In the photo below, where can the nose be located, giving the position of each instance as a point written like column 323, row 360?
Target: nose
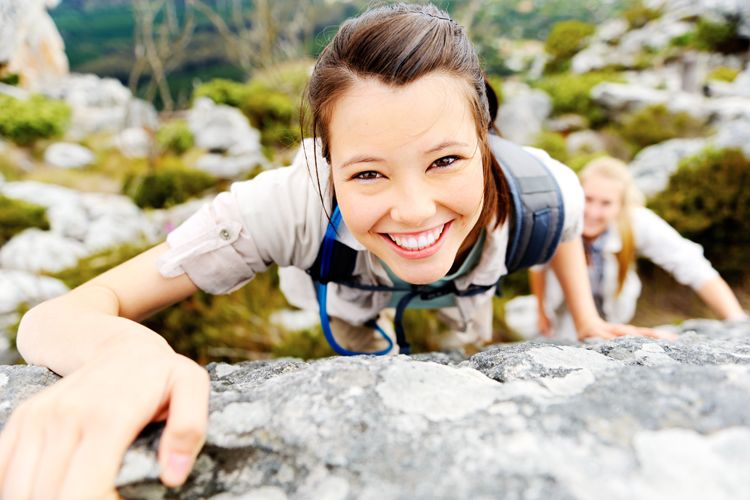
column 414, row 205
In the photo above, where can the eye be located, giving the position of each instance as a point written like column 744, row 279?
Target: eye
column 445, row 161
column 368, row 175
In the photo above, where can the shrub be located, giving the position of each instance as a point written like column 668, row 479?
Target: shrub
column 723, row 73
column 638, row 15
column 719, row 36
column 222, row 92
column 566, row 38
column 497, row 85
column 571, row 93
column 554, row 144
column 17, row 215
column 169, row 184
column 655, row 124
column 175, row 137
column 10, row 78
column 269, row 109
column 26, row 121
column 707, row 201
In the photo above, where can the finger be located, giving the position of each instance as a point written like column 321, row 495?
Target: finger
column 8, row 439
column 185, row 432
column 20, row 473
column 60, row 440
column 650, row 332
column 94, row 466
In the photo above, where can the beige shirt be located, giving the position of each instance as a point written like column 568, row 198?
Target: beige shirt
column 655, row 240
column 279, row 217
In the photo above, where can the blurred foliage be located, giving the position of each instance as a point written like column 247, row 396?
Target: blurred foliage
column 723, row 73
column 236, row 326
column 175, row 137
column 92, row 266
column 553, row 143
column 26, row 121
column 9, row 169
column 496, row 82
column 169, row 184
column 566, row 38
column 654, row 124
column 577, row 162
column 719, row 36
column 10, row 78
column 707, row 201
column 17, row 215
column 638, row 14
column 270, row 101
column 571, row 93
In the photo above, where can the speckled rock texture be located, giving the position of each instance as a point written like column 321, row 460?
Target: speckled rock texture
column 631, row 418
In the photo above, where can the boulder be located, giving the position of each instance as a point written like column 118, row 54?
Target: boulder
column 652, row 166
column 68, row 155
column 30, row 44
column 621, row 419
column 134, row 142
column 21, row 287
column 523, row 112
column 37, row 251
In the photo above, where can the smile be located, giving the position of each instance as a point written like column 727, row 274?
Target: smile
column 414, row 242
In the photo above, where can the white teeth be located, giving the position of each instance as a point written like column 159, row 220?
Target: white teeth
column 417, row 243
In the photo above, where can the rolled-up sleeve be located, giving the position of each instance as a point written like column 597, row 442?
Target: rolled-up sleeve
column 277, row 217
column 656, row 240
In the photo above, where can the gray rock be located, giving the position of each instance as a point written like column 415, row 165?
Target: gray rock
column 584, row 141
column 68, row 155
column 20, row 287
column 652, row 166
column 622, row 419
column 39, row 251
column 134, row 142
column 523, row 112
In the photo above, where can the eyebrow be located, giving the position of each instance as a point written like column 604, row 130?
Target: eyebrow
column 370, row 159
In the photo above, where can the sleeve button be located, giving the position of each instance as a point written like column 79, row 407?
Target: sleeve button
column 224, row 234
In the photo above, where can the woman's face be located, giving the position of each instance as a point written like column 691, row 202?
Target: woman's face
column 407, row 172
column 603, row 204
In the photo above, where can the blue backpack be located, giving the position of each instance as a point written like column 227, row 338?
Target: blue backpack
column 536, row 221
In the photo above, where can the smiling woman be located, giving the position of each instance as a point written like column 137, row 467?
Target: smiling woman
column 398, row 192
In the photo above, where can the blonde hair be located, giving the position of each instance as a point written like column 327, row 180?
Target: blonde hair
column 616, row 170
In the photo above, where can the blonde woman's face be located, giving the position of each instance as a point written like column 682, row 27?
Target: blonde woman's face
column 603, row 204
column 408, row 173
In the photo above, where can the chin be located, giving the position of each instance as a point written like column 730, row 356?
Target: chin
column 419, row 274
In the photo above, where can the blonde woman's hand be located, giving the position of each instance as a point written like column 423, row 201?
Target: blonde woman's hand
column 544, row 325
column 605, row 330
column 68, row 441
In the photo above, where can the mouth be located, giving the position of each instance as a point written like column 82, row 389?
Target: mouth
column 419, row 244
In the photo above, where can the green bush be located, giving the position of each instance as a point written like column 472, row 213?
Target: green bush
column 175, row 137
column 554, row 144
column 270, row 110
column 707, row 201
column 222, row 92
column 566, row 38
column 17, row 215
column 638, row 15
column 10, row 78
column 169, row 184
column 723, row 73
column 571, row 93
column 718, row 37
column 26, row 121
column 655, row 124
column 497, row 86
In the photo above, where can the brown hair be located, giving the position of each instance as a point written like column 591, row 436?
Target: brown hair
column 398, row 44
column 630, row 197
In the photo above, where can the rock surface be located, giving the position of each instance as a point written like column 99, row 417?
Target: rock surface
column 623, row 419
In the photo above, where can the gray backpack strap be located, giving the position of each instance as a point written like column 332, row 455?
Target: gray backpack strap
column 537, row 214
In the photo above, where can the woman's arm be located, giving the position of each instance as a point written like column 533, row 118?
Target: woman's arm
column 537, row 284
column 68, row 440
column 569, row 265
column 719, row 297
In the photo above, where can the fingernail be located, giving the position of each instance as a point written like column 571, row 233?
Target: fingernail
column 178, row 467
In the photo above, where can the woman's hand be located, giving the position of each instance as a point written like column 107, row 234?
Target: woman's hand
column 544, row 325
column 68, row 441
column 602, row 329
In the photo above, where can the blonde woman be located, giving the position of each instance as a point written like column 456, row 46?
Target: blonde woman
column 616, row 229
